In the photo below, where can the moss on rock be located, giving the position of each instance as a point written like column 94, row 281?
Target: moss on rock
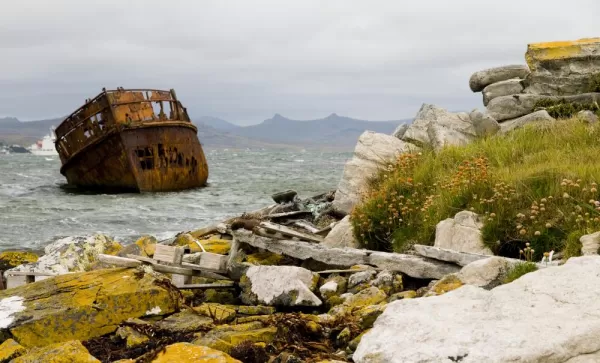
column 10, row 350
column 65, row 352
column 84, row 305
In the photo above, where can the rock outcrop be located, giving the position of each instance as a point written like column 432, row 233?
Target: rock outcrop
column 461, row 233
column 533, row 319
column 540, row 117
column 80, row 306
column 563, row 68
column 280, row 285
column 72, row 254
column 341, row 235
column 502, row 88
column 373, row 152
column 483, row 123
column 456, row 125
column 480, row 80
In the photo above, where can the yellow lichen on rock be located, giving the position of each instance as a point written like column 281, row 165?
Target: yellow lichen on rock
column 219, row 246
column 446, row 284
column 147, row 245
column 10, row 259
column 264, row 258
column 84, row 305
column 132, row 337
column 539, row 52
column 67, row 352
column 219, row 313
column 190, row 353
column 10, row 350
column 225, row 337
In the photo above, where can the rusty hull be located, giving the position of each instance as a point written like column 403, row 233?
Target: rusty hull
column 124, row 140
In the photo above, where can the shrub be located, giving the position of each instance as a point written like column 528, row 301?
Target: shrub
column 535, row 185
column 519, row 270
column 562, row 109
column 594, row 83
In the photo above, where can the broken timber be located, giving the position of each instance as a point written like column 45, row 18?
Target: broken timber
column 18, row 278
column 413, row 266
column 276, row 228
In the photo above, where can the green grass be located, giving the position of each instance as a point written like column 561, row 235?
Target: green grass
column 534, row 185
column 519, row 270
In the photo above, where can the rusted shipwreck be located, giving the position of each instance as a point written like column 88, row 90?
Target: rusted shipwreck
column 136, row 140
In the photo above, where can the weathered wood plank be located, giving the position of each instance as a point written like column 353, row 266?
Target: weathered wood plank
column 307, row 226
column 119, row 261
column 346, row 271
column 169, row 254
column 290, row 232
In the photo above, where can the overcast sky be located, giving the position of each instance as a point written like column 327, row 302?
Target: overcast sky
column 246, row 60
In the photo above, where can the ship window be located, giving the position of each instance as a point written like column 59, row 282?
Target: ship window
column 167, row 110
column 146, row 158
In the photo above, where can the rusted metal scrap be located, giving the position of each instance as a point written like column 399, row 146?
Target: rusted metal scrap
column 139, row 140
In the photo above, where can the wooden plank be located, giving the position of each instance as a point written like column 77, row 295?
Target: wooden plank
column 187, row 269
column 119, row 261
column 180, row 280
column 208, row 286
column 290, row 232
column 169, row 254
column 18, row 280
column 307, row 226
column 213, row 262
column 288, row 214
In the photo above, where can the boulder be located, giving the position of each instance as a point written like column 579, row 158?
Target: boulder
column 334, row 285
column 483, row 123
column 444, row 285
column 550, row 315
column 185, row 321
column 513, row 106
column 562, row 68
column 400, row 130
column 413, row 266
column 587, row 116
column 279, row 286
column 540, row 117
column 373, row 152
column 11, row 259
column 225, row 337
column 10, row 350
column 80, row 306
column 590, row 243
column 72, row 254
column 285, row 196
column 191, row 353
column 418, row 131
column 461, row 233
column 144, row 247
column 487, row 273
column 442, row 136
column 132, row 337
column 480, row 80
column 360, row 278
column 66, row 352
column 502, row 88
column 342, row 235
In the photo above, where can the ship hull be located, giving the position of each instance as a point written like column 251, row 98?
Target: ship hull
column 149, row 158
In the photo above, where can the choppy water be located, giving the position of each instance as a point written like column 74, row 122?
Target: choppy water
column 35, row 210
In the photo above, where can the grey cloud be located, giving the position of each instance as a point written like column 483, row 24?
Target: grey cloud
column 246, row 60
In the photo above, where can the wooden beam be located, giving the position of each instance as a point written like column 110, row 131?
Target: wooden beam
column 119, row 261
column 290, row 232
column 307, row 226
column 208, row 286
column 169, row 254
column 187, row 269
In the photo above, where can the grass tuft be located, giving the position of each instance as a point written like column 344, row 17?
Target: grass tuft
column 519, row 270
column 535, row 185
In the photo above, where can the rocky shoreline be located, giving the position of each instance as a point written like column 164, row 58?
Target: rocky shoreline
column 292, row 282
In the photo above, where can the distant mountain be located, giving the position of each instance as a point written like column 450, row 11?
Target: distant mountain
column 13, row 131
column 216, row 123
column 332, row 131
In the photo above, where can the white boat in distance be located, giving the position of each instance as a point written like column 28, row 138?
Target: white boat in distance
column 45, row 146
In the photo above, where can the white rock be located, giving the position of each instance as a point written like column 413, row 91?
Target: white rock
column 400, row 130
column 384, row 278
column 442, row 136
column 8, row 307
column 328, row 288
column 461, row 233
column 587, row 116
column 502, row 88
column 551, row 316
column 341, row 235
column 590, row 244
column 487, row 273
column 360, row 277
column 540, row 117
column 373, row 152
column 513, row 106
column 443, row 254
column 71, row 254
column 483, row 123
column 428, row 114
column 480, row 80
column 281, row 285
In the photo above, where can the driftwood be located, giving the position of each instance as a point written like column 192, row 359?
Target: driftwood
column 290, row 232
